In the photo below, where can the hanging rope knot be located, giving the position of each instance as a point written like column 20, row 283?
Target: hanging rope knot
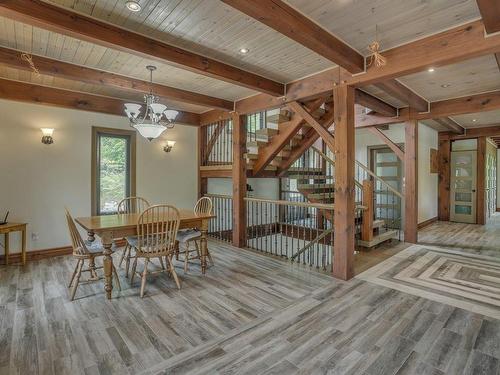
column 29, row 59
column 376, row 58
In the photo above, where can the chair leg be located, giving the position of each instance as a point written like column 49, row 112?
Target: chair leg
column 77, row 280
column 93, row 272
column 74, row 273
column 127, row 261
column 174, row 274
column 161, row 263
column 123, row 255
column 176, row 250
column 144, row 275
column 117, row 279
column 186, row 257
column 134, row 266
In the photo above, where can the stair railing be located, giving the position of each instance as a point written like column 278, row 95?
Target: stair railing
column 216, row 144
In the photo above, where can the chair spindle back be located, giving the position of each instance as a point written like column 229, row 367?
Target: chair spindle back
column 203, row 206
column 79, row 247
column 132, row 205
column 157, row 228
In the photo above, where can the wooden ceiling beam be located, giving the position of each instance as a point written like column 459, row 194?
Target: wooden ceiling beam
column 66, row 22
column 490, row 13
column 490, row 130
column 399, row 91
column 36, row 94
column 451, row 125
column 375, row 104
column 286, row 20
column 56, row 68
column 448, row 47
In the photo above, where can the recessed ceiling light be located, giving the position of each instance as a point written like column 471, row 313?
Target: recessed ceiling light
column 474, row 119
column 133, row 6
column 445, row 86
column 430, row 70
column 244, row 50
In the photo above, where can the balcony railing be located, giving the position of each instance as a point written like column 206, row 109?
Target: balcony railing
column 217, row 140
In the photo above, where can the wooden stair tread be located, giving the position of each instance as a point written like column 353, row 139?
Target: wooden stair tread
column 378, row 239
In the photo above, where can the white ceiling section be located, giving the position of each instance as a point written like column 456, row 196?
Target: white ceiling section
column 482, row 119
column 211, row 28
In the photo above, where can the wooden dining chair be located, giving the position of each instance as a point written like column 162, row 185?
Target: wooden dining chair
column 130, row 205
column 186, row 237
column 157, row 228
column 85, row 251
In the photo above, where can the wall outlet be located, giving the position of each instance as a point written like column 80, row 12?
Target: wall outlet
column 34, row 236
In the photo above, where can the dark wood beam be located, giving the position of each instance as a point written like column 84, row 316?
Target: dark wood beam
column 451, row 125
column 444, row 155
column 66, row 22
column 344, row 246
column 411, row 181
column 36, row 94
column 491, row 130
column 210, row 117
column 457, row 44
column 399, row 91
column 375, row 104
column 490, row 12
column 394, row 147
column 281, row 17
column 55, row 68
column 481, row 181
column 239, row 177
column 307, row 116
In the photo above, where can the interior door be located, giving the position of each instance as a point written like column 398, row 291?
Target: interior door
column 463, row 186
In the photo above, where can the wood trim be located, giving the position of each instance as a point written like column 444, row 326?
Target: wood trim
column 36, row 94
column 481, row 181
column 426, row 223
column 444, row 174
column 210, row 117
column 93, row 174
column 411, row 181
column 498, row 209
column 281, row 17
column 394, row 147
column 488, row 131
column 66, row 22
column 344, row 214
column 399, row 91
column 10, row 57
column 239, row 180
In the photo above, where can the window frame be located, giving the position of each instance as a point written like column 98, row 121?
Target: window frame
column 130, row 135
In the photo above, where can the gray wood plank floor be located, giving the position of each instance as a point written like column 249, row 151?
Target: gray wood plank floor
column 249, row 315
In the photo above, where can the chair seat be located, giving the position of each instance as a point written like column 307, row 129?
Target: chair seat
column 187, row 235
column 96, row 247
column 131, row 240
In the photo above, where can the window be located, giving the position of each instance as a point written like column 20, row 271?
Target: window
column 113, row 168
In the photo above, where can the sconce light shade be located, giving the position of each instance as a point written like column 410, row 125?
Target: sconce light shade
column 47, row 136
column 168, row 147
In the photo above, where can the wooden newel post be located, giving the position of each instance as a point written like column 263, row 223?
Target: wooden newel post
column 411, row 181
column 344, row 226
column 239, row 180
column 368, row 213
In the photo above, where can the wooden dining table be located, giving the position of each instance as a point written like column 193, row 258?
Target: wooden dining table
column 111, row 227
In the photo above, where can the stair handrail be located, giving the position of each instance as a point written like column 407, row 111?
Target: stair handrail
column 362, row 166
column 332, row 162
column 322, row 206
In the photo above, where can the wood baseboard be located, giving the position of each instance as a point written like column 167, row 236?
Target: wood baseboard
column 498, row 209
column 426, row 223
column 45, row 253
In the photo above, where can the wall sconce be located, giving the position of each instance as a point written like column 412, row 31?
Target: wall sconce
column 47, row 136
column 168, row 147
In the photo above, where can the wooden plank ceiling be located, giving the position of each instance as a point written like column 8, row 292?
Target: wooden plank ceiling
column 218, row 31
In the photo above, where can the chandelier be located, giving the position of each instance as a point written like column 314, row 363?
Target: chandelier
column 157, row 118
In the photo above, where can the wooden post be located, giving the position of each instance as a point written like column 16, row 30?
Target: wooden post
column 411, row 181
column 239, row 180
column 202, row 181
column 320, row 215
column 481, row 181
column 444, row 155
column 343, row 252
column 367, row 224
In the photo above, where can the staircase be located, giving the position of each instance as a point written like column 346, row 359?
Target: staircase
column 313, row 175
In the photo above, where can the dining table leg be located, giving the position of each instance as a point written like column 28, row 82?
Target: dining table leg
column 203, row 245
column 107, row 242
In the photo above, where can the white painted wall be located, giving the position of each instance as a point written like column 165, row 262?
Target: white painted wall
column 265, row 188
column 427, row 182
column 37, row 181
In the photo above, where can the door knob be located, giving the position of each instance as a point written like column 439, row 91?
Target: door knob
column 473, row 190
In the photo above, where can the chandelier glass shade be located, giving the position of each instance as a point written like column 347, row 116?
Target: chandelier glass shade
column 156, row 117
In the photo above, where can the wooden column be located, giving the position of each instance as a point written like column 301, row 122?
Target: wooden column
column 444, row 155
column 239, row 180
column 368, row 214
column 411, row 181
column 202, row 181
column 481, row 181
column 343, row 252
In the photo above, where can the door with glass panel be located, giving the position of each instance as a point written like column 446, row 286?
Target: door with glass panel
column 463, row 186
column 385, row 164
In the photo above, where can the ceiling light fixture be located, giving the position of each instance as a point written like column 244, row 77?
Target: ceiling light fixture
column 157, row 118
column 430, row 70
column 445, row 86
column 474, row 119
column 133, row 6
column 244, row 50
